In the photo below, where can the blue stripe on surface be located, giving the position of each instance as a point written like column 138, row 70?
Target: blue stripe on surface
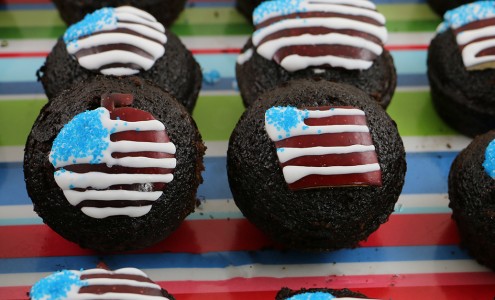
column 427, row 173
column 229, row 259
column 31, row 6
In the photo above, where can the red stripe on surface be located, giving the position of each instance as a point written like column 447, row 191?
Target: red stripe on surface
column 23, row 54
column 230, row 235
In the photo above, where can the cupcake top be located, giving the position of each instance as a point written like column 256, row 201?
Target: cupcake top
column 326, row 33
column 113, row 160
column 116, row 41
column 473, row 25
column 316, row 142
column 126, row 283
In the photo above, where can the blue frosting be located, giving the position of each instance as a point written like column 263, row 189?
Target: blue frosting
column 466, row 14
column 281, row 7
column 312, row 296
column 489, row 163
column 285, row 118
column 91, row 23
column 56, row 286
column 84, row 136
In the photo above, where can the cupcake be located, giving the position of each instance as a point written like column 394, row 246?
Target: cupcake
column 316, row 165
column 165, row 11
column 318, row 294
column 122, row 41
column 126, row 283
column 472, row 198
column 338, row 41
column 113, row 164
column 461, row 68
column 442, row 6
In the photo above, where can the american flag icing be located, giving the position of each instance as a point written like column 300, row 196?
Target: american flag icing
column 116, row 41
column 319, row 33
column 473, row 25
column 126, row 283
column 323, row 147
column 112, row 163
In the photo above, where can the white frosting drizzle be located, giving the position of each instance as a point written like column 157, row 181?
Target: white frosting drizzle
column 143, row 24
column 278, row 119
column 68, row 181
column 245, row 56
column 286, row 154
column 294, row 173
column 470, row 51
column 298, row 61
column 99, row 180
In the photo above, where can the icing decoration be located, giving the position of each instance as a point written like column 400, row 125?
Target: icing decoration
column 126, row 283
column 323, row 147
column 489, row 163
column 116, row 41
column 113, row 161
column 473, row 25
column 298, row 34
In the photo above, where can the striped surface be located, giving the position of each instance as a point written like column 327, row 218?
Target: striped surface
column 413, row 256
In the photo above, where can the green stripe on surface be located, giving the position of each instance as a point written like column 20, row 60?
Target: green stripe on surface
column 200, row 21
column 217, row 116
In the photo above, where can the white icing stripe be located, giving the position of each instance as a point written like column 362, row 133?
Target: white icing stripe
column 335, row 112
column 470, row 51
column 358, row 3
column 295, row 173
column 147, row 45
column 132, row 146
column 465, row 37
column 121, row 271
column 313, row 130
column 333, row 23
column 68, row 180
column 144, row 162
column 120, row 296
column 145, row 30
column 76, row 197
column 104, row 212
column 296, row 62
column 286, row 154
column 118, row 281
column 120, row 125
column 245, row 56
column 333, row 8
column 128, row 16
column 96, row 61
column 268, row 49
column 135, row 11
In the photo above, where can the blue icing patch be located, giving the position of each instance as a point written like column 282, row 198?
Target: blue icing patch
column 83, row 137
column 489, row 163
column 285, row 118
column 281, row 7
column 312, row 296
column 56, row 286
column 91, row 23
column 466, row 14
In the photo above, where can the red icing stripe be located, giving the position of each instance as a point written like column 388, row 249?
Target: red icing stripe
column 349, row 159
column 230, row 235
column 336, row 120
column 313, row 181
column 317, row 50
column 327, row 139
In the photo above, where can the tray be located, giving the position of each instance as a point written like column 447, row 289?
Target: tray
column 216, row 253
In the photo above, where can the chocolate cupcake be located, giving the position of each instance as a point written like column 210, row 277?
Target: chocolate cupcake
column 442, row 6
column 126, row 283
column 318, row 294
column 461, row 68
column 165, row 11
column 340, row 42
column 316, row 165
column 113, row 164
column 472, row 197
column 122, row 41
